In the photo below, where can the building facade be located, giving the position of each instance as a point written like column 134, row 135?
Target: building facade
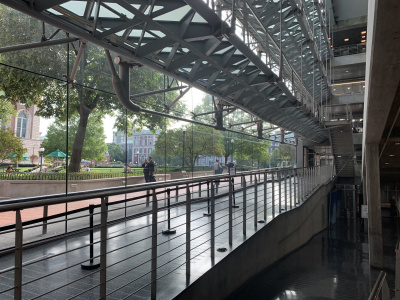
column 26, row 126
column 138, row 145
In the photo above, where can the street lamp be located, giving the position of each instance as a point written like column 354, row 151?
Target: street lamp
column 41, row 150
column 183, row 156
column 137, row 158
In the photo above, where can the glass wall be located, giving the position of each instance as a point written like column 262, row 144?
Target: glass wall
column 77, row 136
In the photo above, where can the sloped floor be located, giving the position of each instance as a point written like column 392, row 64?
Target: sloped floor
column 333, row 265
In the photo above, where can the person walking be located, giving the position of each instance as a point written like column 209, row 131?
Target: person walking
column 217, row 170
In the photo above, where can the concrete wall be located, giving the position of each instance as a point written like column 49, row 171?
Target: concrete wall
column 30, row 188
column 278, row 238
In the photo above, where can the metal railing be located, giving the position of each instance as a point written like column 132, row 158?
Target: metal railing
column 381, row 285
column 133, row 241
column 350, row 50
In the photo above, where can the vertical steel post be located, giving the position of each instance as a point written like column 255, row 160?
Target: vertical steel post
column 18, row 256
column 154, row 223
column 176, row 193
column 273, row 194
column 212, row 231
column 45, row 214
column 280, row 191
column 265, row 196
column 188, row 208
column 103, row 248
column 295, row 182
column 230, row 214
column 200, row 189
column 244, row 206
column 285, row 183
column 255, row 200
column 290, row 189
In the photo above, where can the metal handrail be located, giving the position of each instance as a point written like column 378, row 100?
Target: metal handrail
column 380, row 285
column 29, row 202
column 294, row 186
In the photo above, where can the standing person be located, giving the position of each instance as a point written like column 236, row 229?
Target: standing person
column 145, row 170
column 217, row 170
column 150, row 165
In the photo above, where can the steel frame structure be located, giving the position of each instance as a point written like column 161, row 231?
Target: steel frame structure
column 188, row 40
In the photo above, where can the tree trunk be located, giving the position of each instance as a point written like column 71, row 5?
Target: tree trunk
column 76, row 156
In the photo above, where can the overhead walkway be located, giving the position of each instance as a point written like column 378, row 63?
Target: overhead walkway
column 268, row 60
column 134, row 242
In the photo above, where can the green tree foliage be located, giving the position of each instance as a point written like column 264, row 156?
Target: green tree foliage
column 10, row 144
column 6, row 111
column 91, row 92
column 199, row 140
column 115, row 152
column 94, row 146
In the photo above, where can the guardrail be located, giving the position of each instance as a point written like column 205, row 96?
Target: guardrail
column 381, row 285
column 350, row 50
column 129, row 241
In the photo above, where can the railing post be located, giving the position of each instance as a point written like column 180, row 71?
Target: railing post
column 230, row 214
column 147, row 198
column 294, row 187
column 280, row 191
column 200, row 189
column 154, row 223
column 188, row 208
column 244, row 206
column 169, row 230
column 45, row 214
column 103, row 248
column 207, row 214
column 176, row 193
column 18, row 256
column 91, row 264
column 285, row 182
column 298, row 186
column 265, row 196
column 273, row 194
column 212, row 231
column 290, row 189
column 397, row 271
column 255, row 200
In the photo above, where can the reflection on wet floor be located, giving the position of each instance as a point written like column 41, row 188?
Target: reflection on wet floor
column 333, row 265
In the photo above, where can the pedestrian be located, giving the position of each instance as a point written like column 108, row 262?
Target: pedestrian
column 87, row 168
column 150, row 165
column 9, row 169
column 146, row 170
column 217, row 170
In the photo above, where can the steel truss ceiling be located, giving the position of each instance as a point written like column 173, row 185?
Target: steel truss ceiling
column 188, row 41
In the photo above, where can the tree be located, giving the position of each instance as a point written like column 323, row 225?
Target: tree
column 202, row 141
column 115, row 152
column 91, row 92
column 6, row 111
column 10, row 144
column 94, row 146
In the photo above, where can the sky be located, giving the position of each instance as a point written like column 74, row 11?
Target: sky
column 193, row 96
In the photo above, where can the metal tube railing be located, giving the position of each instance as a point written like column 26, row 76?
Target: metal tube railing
column 380, row 286
column 147, row 239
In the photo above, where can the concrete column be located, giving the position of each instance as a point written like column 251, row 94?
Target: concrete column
column 373, row 197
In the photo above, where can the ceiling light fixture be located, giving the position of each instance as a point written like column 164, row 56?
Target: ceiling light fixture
column 362, row 41
column 346, row 40
column 363, row 32
column 391, row 155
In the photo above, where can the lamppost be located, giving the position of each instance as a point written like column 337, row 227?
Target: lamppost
column 41, row 150
column 137, row 158
column 183, row 156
